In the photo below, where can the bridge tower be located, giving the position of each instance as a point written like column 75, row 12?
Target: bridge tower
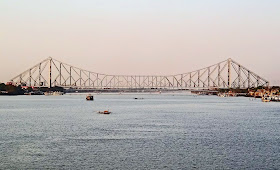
column 50, row 72
column 229, row 73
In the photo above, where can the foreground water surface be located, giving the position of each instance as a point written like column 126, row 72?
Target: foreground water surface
column 161, row 131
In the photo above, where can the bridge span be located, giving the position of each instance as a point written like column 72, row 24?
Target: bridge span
column 226, row 74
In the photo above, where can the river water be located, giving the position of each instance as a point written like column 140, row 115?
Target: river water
column 160, row 131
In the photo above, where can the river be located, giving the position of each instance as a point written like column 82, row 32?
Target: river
column 160, row 131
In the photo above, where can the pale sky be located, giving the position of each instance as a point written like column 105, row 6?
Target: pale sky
column 161, row 37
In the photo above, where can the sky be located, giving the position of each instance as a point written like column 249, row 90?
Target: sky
column 144, row 37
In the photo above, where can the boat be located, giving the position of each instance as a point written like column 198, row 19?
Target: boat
column 222, row 95
column 227, row 94
column 104, row 112
column 89, row 97
column 47, row 93
column 266, row 98
column 275, row 98
column 56, row 93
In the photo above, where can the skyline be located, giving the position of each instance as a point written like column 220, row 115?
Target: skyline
column 143, row 38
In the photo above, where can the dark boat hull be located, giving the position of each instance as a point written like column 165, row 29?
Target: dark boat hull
column 89, row 98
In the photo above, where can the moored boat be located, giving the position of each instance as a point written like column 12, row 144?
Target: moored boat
column 266, row 98
column 275, row 98
column 48, row 93
column 51, row 93
column 57, row 93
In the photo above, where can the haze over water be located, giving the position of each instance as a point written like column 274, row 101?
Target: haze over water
column 167, row 131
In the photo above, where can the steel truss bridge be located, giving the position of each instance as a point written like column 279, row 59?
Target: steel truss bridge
column 225, row 74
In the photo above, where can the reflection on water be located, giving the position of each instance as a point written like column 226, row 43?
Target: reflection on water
column 167, row 131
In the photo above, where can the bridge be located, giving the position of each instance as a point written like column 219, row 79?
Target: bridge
column 225, row 74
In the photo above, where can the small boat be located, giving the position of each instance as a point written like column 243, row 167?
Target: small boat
column 104, row 112
column 89, row 97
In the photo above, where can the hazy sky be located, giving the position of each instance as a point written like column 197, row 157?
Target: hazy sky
column 140, row 37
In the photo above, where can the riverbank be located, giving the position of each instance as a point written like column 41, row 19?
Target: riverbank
column 267, row 94
column 11, row 90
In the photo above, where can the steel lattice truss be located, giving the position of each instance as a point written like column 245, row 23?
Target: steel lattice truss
column 226, row 74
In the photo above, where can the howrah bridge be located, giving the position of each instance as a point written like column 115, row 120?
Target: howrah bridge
column 225, row 74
